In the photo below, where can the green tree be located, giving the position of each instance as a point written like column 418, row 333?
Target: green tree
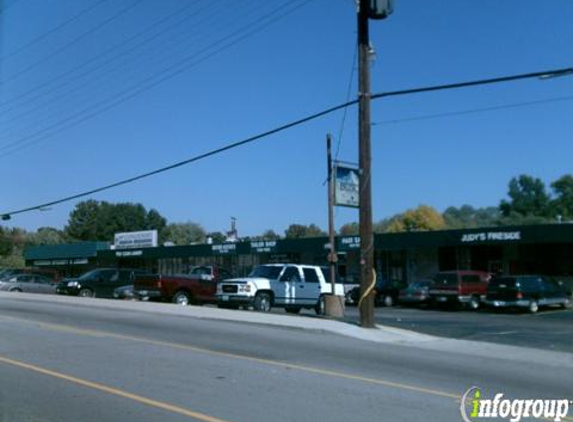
column 423, row 218
column 267, row 235
column 528, row 201
column 95, row 220
column 467, row 217
column 46, row 236
column 298, row 231
column 562, row 204
column 183, row 233
column 349, row 229
column 217, row 237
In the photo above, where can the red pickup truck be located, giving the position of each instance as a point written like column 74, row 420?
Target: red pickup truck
column 197, row 286
column 460, row 287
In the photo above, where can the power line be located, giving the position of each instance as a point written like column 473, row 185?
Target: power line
column 53, row 30
column 144, row 31
column 121, row 54
column 152, row 81
column 72, row 42
column 547, row 73
column 473, row 111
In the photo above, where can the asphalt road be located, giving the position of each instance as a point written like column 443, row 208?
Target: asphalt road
column 92, row 360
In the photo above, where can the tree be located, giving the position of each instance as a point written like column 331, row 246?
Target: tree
column 267, row 235
column 298, row 231
column 349, row 229
column 527, row 198
column 423, row 218
column 95, row 220
column 562, row 204
column 217, row 237
column 46, row 236
column 183, row 233
column 467, row 217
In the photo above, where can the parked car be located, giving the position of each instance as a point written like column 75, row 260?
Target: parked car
column 51, row 274
column 198, row 286
column 416, row 293
column 29, row 283
column 282, row 285
column 387, row 291
column 459, row 288
column 527, row 292
column 124, row 292
column 350, row 282
column 100, row 282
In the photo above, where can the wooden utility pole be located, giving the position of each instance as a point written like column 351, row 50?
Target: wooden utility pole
column 364, row 162
column 333, row 305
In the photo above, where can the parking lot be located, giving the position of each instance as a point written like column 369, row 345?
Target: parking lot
column 551, row 329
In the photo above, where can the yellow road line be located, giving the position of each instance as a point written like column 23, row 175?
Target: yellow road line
column 113, row 391
column 235, row 356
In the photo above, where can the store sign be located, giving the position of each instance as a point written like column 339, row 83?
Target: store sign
column 143, row 239
column 122, row 254
column 266, row 246
column 224, row 249
column 348, row 243
column 52, row 262
column 491, row 236
column 346, row 186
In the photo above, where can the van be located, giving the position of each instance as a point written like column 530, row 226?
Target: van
column 467, row 288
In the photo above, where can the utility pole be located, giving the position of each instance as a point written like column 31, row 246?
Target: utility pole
column 364, row 162
column 375, row 9
column 333, row 307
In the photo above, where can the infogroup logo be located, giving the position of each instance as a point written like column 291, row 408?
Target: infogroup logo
column 474, row 406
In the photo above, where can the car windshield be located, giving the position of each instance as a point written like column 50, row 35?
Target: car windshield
column 446, row 279
column 503, row 282
column 266, row 271
column 90, row 275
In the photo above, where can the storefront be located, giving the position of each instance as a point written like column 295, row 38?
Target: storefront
column 540, row 249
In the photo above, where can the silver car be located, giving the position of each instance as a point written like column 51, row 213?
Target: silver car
column 31, row 283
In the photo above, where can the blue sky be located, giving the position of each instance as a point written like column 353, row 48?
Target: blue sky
column 66, row 60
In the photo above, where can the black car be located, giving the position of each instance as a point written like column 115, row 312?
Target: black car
column 100, row 282
column 527, row 292
column 386, row 292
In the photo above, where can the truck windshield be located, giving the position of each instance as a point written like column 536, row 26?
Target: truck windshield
column 266, row 271
column 446, row 280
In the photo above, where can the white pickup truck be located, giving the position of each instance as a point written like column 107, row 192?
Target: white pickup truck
column 282, row 285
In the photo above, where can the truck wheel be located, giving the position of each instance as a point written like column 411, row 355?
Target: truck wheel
column 86, row 293
column 292, row 309
column 474, row 303
column 17, row 290
column 388, row 301
column 181, row 298
column 533, row 307
column 263, row 302
column 320, row 307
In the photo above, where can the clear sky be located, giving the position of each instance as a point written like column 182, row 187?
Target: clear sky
column 96, row 91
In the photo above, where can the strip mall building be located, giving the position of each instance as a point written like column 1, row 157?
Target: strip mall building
column 539, row 249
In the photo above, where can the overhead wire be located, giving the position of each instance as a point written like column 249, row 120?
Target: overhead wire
column 69, row 44
column 473, row 111
column 144, row 31
column 434, row 88
column 154, row 80
column 124, row 60
column 52, row 30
